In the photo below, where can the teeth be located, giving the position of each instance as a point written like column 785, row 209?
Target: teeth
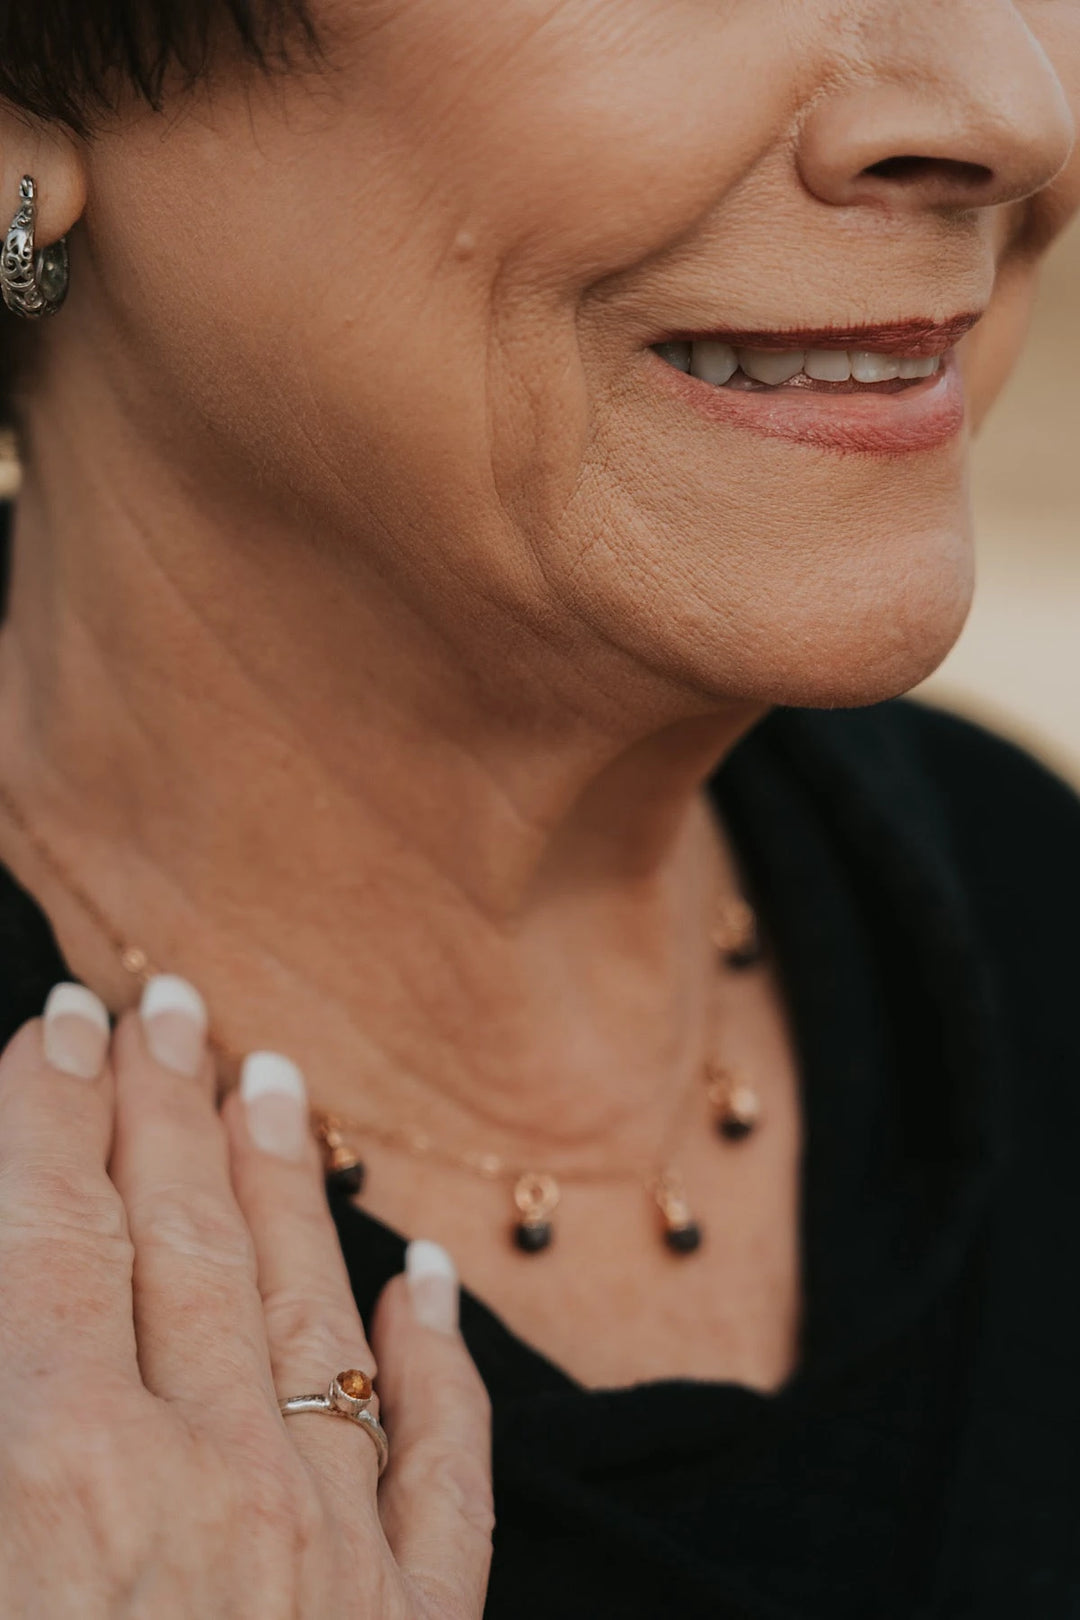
column 717, row 363
column 714, row 362
column 767, row 366
column 828, row 365
column 873, row 368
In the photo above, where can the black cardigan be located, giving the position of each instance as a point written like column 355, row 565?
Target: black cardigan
column 920, row 883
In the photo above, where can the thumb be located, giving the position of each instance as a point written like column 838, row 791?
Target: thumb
column 436, row 1499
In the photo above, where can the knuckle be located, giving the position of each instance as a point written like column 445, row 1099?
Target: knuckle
column 459, row 1385
column 285, row 1504
column 267, row 1497
column 58, row 1197
column 308, row 1329
column 268, row 1489
column 312, row 1225
column 122, row 1480
column 461, row 1477
column 162, row 1123
column 196, row 1222
column 465, row 1384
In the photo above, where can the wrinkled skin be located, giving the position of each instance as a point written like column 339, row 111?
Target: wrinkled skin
column 375, row 621
column 149, row 1313
column 443, row 259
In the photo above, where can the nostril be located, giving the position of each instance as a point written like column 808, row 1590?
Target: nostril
column 911, row 170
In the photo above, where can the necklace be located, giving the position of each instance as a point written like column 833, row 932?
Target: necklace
column 535, row 1193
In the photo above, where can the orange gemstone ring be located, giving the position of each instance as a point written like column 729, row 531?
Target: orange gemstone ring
column 349, row 1396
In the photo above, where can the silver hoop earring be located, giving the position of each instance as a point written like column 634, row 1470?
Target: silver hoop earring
column 34, row 282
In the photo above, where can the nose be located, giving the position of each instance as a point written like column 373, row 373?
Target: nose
column 956, row 107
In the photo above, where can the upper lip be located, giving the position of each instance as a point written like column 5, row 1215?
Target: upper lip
column 911, row 338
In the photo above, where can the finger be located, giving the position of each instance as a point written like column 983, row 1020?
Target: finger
column 312, row 1323
column 436, row 1501
column 65, row 1253
column 198, row 1317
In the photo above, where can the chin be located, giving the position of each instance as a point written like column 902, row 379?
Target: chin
column 841, row 621
column 751, row 569
column 857, row 647
column 849, row 678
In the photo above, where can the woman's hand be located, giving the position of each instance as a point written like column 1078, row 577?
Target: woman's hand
column 165, row 1275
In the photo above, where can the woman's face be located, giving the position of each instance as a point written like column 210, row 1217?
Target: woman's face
column 429, row 282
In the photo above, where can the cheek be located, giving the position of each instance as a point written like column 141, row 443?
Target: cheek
column 989, row 354
column 574, row 137
column 1026, row 230
column 446, row 201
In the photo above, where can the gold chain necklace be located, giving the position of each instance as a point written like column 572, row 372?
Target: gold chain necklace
column 535, row 1193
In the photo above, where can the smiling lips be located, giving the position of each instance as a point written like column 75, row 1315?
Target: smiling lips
column 859, row 357
column 882, row 390
column 721, row 364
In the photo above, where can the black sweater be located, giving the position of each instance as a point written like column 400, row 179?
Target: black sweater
column 920, row 884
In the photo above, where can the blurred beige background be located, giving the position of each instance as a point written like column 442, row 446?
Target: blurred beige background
column 1017, row 665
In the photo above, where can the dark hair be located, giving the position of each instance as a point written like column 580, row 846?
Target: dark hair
column 72, row 61
column 67, row 61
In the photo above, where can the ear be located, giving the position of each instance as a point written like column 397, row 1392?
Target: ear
column 55, row 159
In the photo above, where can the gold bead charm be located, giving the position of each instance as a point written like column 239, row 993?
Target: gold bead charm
column 735, row 933
column 682, row 1233
column 536, row 1197
column 736, row 1103
column 342, row 1167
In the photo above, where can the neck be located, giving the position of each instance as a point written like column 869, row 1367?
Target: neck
column 438, row 866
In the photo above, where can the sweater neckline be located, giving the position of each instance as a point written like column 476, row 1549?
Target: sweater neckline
column 843, row 843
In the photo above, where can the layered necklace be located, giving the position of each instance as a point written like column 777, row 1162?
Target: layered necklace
column 535, row 1191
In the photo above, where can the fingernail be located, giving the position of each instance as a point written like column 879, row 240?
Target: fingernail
column 76, row 1033
column 433, row 1285
column 174, row 1020
column 275, row 1099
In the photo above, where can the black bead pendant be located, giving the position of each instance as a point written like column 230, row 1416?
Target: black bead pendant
column 737, row 936
column 747, row 956
column 684, row 1239
column 536, row 1197
column 533, row 1236
column 734, row 1129
column 736, row 1103
column 681, row 1232
column 346, row 1180
column 342, row 1166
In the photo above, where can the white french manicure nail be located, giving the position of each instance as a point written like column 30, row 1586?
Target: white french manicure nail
column 433, row 1285
column 275, row 1099
column 76, row 1031
column 174, row 1021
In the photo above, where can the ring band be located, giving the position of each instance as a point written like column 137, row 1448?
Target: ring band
column 349, row 1396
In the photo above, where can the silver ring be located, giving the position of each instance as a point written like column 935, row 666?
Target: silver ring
column 349, row 1396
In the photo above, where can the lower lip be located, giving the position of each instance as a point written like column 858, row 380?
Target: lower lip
column 923, row 417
